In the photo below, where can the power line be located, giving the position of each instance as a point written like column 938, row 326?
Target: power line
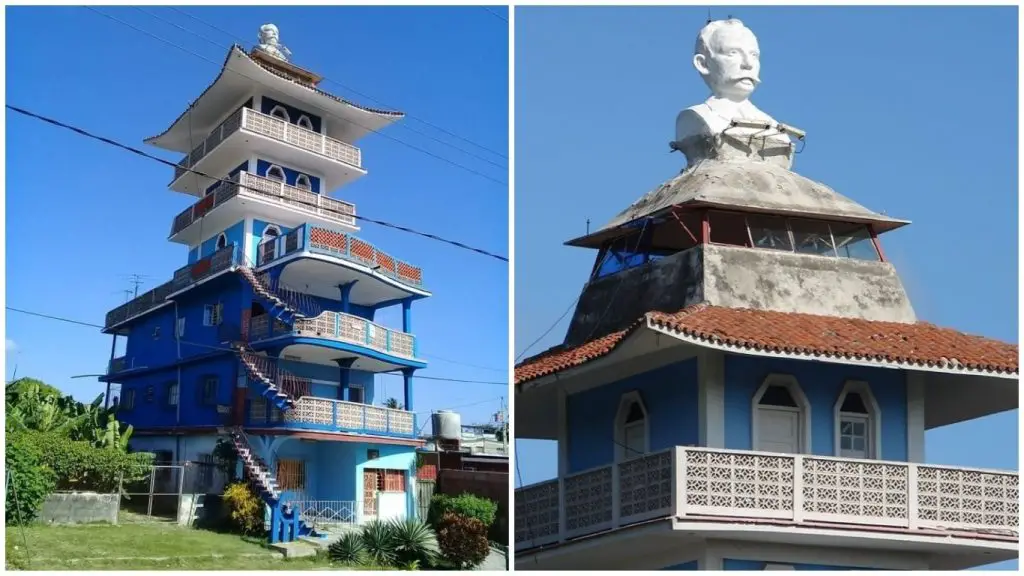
column 550, row 328
column 138, row 152
column 350, row 89
column 495, row 14
column 224, row 349
column 367, row 128
column 432, row 357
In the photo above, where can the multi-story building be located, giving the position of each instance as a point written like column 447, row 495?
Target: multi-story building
column 745, row 385
column 266, row 335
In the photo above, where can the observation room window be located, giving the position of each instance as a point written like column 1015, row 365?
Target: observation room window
column 304, row 122
column 302, row 181
column 275, row 173
column 798, row 235
column 280, row 112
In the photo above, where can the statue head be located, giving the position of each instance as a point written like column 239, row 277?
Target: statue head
column 728, row 58
column 268, row 34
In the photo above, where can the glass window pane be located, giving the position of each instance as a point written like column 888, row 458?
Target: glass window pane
column 811, row 237
column 858, row 429
column 854, row 404
column 769, row 232
column 845, row 427
column 858, row 444
column 635, row 414
column 844, row 443
column 778, row 396
column 853, row 241
column 728, row 228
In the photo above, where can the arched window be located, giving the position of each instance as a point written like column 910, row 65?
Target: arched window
column 302, row 181
column 280, row 112
column 275, row 173
column 268, row 246
column 305, row 122
column 858, row 421
column 781, row 417
column 222, row 241
column 631, row 428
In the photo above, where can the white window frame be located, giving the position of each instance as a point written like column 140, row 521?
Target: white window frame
column 265, row 238
column 308, row 185
column 222, row 242
column 284, row 175
column 181, row 328
column 803, row 409
column 873, row 417
column 213, row 314
column 278, row 108
column 619, row 433
column 308, row 125
column 173, row 394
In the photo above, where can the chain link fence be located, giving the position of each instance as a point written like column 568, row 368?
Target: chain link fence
column 174, row 493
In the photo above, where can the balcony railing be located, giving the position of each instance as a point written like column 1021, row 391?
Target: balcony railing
column 320, row 240
column 744, row 485
column 250, row 185
column 255, row 122
column 184, row 277
column 341, row 327
column 325, row 414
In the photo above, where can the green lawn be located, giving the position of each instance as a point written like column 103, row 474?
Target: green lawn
column 142, row 547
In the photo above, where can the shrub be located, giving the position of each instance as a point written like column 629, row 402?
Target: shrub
column 463, row 540
column 349, row 550
column 246, row 509
column 379, row 542
column 466, row 504
column 413, row 542
column 28, row 483
column 80, row 466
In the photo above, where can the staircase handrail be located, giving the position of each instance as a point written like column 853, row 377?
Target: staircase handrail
column 301, row 303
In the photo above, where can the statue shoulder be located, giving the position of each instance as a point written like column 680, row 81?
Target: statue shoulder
column 693, row 121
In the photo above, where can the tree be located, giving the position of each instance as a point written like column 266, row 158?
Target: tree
column 34, row 405
column 394, row 404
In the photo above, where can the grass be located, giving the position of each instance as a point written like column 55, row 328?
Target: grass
column 143, row 547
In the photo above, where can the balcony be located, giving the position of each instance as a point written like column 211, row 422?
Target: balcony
column 265, row 191
column 327, row 415
column 733, row 485
column 139, row 305
column 343, row 246
column 268, row 134
column 339, row 327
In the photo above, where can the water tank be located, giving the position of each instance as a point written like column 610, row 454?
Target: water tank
column 447, row 425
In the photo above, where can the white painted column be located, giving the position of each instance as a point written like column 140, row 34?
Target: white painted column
column 563, row 434
column 915, row 416
column 711, row 398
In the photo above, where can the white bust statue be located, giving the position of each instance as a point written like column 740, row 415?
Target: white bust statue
column 729, row 60
column 271, row 44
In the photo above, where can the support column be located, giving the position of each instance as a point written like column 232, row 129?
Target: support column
column 346, row 291
column 407, row 376
column 344, row 377
column 711, row 398
column 113, row 348
column 407, row 315
column 915, row 416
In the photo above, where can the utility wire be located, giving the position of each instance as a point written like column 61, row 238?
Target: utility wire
column 224, row 349
column 138, row 152
column 432, row 357
column 495, row 14
column 349, row 88
column 550, row 328
column 218, row 45
column 367, row 128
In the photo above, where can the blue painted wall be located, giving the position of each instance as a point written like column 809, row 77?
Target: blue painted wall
column 684, row 566
column 293, row 113
column 192, row 409
column 290, row 174
column 670, row 395
column 731, row 564
column 235, row 235
column 822, row 384
column 330, row 374
column 239, row 168
column 354, row 309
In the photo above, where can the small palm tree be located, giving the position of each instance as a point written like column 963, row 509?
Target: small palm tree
column 414, row 542
column 348, row 550
column 393, row 403
column 379, row 543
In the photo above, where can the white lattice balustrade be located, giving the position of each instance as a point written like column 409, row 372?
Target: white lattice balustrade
column 813, row 490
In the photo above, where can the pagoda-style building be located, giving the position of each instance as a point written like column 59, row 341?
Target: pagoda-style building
column 745, row 385
column 266, row 336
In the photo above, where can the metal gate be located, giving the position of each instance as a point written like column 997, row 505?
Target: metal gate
column 424, row 493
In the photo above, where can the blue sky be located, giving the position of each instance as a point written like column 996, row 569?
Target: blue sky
column 82, row 215
column 909, row 111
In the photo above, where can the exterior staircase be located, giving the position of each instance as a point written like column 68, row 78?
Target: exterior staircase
column 263, row 372
column 284, row 304
column 285, row 522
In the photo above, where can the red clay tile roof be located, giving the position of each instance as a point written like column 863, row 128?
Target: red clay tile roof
column 920, row 344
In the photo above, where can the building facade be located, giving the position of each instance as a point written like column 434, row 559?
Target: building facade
column 266, row 336
column 745, row 385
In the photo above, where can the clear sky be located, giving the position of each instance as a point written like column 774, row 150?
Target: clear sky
column 82, row 216
column 909, row 111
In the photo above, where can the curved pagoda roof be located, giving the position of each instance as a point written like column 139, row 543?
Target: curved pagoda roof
column 747, row 186
column 235, row 82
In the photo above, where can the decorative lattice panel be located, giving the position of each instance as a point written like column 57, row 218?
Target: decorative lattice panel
column 376, row 419
column 352, row 329
column 305, row 139
column 967, row 498
column 350, row 415
column 645, row 486
column 410, row 274
column 311, row 411
column 855, row 491
column 329, row 240
column 338, row 150
column 266, row 125
column 401, row 422
column 337, row 210
column 362, row 250
column 402, row 344
column 386, row 262
column 378, row 336
column 588, row 501
column 739, row 484
column 232, row 124
column 536, row 510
